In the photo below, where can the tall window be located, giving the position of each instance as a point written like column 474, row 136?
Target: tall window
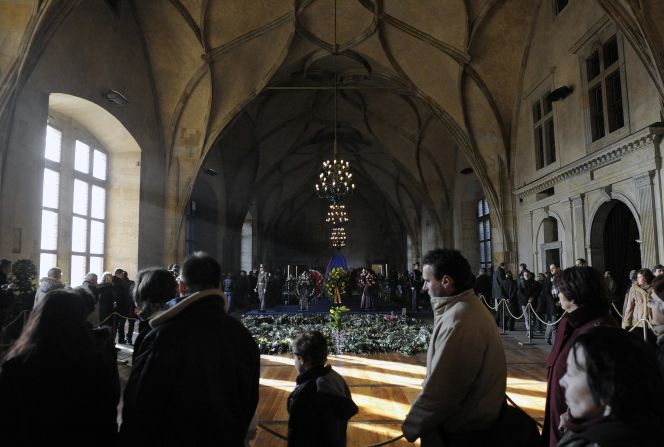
column 50, row 201
column 605, row 89
column 545, row 142
column 87, row 214
column 89, row 211
column 485, row 233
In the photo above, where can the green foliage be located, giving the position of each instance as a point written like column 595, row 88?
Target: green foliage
column 24, row 274
column 362, row 334
column 336, row 312
column 337, row 279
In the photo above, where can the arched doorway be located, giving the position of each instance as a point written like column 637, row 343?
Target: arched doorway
column 551, row 247
column 246, row 244
column 614, row 242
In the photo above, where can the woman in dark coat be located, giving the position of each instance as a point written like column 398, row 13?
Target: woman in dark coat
column 106, row 301
column 154, row 288
column 606, row 405
column 582, row 294
column 57, row 387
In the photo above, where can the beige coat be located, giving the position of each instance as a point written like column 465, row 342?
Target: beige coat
column 636, row 307
column 464, row 388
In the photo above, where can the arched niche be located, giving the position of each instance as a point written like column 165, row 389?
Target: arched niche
column 615, row 241
column 549, row 242
column 246, row 243
column 124, row 177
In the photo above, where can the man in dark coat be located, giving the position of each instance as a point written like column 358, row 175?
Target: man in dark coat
column 483, row 286
column 123, row 303
column 511, row 307
column 240, row 291
column 497, row 290
column 195, row 376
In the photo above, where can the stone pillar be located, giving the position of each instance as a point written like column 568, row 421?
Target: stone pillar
column 646, row 208
column 578, row 226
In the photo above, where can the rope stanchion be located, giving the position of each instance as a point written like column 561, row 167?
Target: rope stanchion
column 272, row 432
column 20, row 315
column 616, row 309
column 114, row 314
column 635, row 326
column 389, row 441
column 512, row 315
column 495, row 309
column 544, row 322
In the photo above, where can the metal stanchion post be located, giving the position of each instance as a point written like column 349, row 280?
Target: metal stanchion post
column 502, row 317
column 530, row 324
column 645, row 332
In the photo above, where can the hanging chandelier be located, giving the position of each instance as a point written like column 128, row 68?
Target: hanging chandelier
column 336, row 214
column 335, row 180
column 338, row 237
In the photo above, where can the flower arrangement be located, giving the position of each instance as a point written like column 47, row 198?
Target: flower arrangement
column 337, row 281
column 367, row 278
column 304, row 282
column 362, row 334
column 336, row 312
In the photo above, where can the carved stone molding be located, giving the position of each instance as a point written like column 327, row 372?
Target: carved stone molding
column 596, row 160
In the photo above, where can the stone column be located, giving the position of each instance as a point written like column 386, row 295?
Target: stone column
column 578, row 226
column 646, row 208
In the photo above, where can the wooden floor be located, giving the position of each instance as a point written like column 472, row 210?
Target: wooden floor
column 384, row 387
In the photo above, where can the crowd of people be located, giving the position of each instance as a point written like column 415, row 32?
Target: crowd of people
column 196, row 368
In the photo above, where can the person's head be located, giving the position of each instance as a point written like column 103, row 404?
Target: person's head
column 107, row 278
column 5, row 266
column 243, row 273
column 644, row 277
column 580, row 262
column 613, row 372
column 541, row 277
column 154, row 285
column 658, row 270
column 309, row 350
column 54, row 273
column 607, row 274
column 57, row 324
column 522, row 267
column 526, row 275
column 119, row 273
column 581, row 286
column 262, row 268
column 508, row 275
column 554, row 269
column 632, row 275
column 200, row 271
column 656, row 302
column 446, row 272
column 416, row 266
column 91, row 278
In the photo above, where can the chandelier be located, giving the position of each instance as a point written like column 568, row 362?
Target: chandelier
column 336, row 215
column 338, row 237
column 335, row 180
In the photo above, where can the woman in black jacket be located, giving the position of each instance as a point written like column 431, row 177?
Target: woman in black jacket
column 613, row 391
column 57, row 386
column 106, row 302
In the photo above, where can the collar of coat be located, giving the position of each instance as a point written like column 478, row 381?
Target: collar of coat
column 160, row 318
column 441, row 303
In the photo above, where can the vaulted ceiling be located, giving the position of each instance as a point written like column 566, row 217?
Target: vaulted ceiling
column 429, row 86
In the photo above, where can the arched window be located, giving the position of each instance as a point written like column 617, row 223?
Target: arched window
column 485, row 234
column 246, row 246
column 73, row 197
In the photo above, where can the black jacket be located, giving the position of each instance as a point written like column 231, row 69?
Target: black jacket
column 483, row 287
column 319, row 409
column 51, row 398
column 509, row 290
column 497, row 283
column 195, row 378
column 106, row 300
column 609, row 432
